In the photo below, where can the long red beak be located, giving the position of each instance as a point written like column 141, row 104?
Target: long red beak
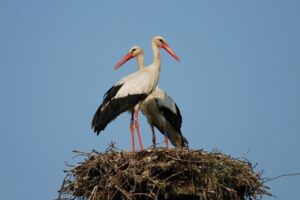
column 170, row 51
column 124, row 60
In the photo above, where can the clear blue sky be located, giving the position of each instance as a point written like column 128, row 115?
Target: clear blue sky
column 237, row 85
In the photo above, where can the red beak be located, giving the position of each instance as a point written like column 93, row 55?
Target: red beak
column 170, row 51
column 124, row 60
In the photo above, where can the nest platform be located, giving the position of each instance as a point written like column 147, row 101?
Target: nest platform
column 161, row 174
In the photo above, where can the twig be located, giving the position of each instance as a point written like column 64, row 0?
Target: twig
column 280, row 176
column 93, row 192
column 123, row 192
column 173, row 175
column 150, row 195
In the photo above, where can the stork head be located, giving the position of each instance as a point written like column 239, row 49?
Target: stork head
column 160, row 41
column 133, row 52
column 136, row 50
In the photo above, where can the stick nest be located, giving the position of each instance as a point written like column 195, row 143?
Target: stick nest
column 161, row 174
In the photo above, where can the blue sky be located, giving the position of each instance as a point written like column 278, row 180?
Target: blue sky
column 237, row 85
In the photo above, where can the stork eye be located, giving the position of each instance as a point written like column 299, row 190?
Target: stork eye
column 133, row 50
column 161, row 40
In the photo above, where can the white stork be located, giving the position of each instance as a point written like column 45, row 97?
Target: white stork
column 160, row 109
column 127, row 93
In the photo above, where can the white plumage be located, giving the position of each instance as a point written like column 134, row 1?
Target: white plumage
column 140, row 82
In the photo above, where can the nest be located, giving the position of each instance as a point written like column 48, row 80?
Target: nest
column 161, row 173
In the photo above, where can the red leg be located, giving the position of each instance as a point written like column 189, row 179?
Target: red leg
column 136, row 123
column 153, row 136
column 166, row 140
column 132, row 133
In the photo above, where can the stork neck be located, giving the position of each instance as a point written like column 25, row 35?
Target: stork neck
column 140, row 61
column 156, row 55
column 155, row 66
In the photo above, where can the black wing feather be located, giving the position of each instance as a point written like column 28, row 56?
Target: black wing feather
column 111, row 92
column 113, row 107
column 175, row 119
